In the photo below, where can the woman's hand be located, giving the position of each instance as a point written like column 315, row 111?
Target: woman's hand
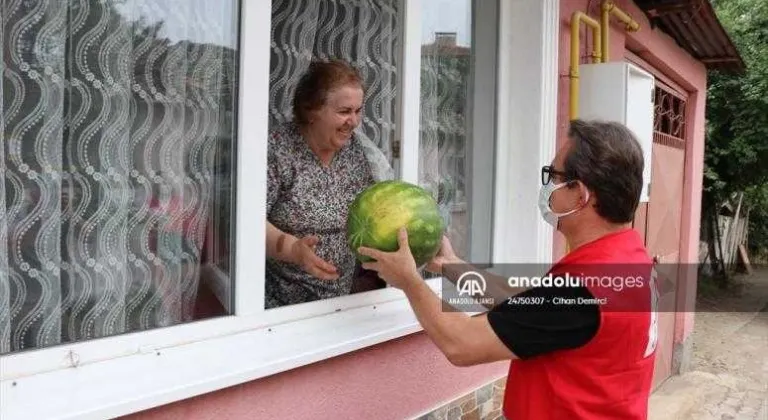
column 445, row 256
column 303, row 254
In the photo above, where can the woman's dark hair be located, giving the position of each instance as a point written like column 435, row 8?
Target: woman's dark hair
column 608, row 159
column 313, row 87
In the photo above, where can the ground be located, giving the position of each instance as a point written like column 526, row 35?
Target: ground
column 728, row 374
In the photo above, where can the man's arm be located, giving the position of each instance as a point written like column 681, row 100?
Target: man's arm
column 464, row 340
column 496, row 285
column 507, row 332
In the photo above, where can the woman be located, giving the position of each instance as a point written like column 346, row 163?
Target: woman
column 317, row 165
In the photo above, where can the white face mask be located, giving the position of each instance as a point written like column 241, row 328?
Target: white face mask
column 545, row 193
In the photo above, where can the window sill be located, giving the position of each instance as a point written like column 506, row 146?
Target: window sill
column 149, row 379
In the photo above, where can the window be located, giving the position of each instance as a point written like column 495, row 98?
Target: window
column 458, row 61
column 369, row 36
column 244, row 341
column 119, row 120
column 669, row 112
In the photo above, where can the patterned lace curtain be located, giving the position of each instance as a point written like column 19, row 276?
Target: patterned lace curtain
column 110, row 138
column 362, row 32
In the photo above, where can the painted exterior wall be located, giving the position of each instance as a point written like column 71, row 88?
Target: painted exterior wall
column 399, row 379
column 666, row 60
column 409, row 377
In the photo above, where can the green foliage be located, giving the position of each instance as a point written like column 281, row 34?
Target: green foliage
column 736, row 156
column 757, row 196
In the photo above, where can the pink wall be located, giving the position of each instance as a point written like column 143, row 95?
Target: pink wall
column 670, row 62
column 394, row 380
column 694, row 171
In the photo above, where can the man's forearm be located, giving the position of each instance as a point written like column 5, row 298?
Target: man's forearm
column 496, row 286
column 444, row 328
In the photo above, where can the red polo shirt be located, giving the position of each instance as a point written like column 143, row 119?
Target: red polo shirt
column 608, row 375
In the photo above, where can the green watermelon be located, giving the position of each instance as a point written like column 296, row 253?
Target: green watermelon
column 379, row 211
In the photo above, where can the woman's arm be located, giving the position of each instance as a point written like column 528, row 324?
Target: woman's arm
column 286, row 247
column 280, row 244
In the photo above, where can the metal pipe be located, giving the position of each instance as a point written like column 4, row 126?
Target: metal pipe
column 607, row 8
column 576, row 20
column 605, row 22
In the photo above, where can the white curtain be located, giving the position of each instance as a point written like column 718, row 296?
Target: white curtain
column 112, row 139
column 362, row 32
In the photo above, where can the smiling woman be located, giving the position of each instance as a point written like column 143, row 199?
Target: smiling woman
column 317, row 165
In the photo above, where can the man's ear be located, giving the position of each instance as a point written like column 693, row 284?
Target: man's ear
column 589, row 195
column 584, row 194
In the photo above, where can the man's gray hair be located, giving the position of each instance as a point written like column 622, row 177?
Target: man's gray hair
column 608, row 159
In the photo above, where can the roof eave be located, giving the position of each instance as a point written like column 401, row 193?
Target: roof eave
column 694, row 25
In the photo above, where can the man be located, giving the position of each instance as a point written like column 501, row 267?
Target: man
column 575, row 361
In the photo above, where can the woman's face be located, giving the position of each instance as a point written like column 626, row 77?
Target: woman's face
column 334, row 122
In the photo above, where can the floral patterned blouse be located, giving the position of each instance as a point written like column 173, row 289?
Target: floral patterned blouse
column 306, row 198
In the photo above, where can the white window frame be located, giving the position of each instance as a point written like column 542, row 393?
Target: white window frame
column 480, row 150
column 118, row 375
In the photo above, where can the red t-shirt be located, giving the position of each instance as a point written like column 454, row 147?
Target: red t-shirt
column 610, row 376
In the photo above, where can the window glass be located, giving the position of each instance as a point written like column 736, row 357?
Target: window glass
column 447, row 122
column 118, row 125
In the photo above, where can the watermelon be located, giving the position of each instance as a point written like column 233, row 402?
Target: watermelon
column 379, row 211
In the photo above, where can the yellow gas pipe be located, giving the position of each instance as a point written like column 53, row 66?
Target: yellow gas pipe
column 606, row 9
column 576, row 19
column 600, row 32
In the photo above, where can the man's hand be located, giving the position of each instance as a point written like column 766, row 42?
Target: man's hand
column 464, row 340
column 396, row 268
column 303, row 254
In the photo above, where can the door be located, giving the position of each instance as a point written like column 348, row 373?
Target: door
column 664, row 212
